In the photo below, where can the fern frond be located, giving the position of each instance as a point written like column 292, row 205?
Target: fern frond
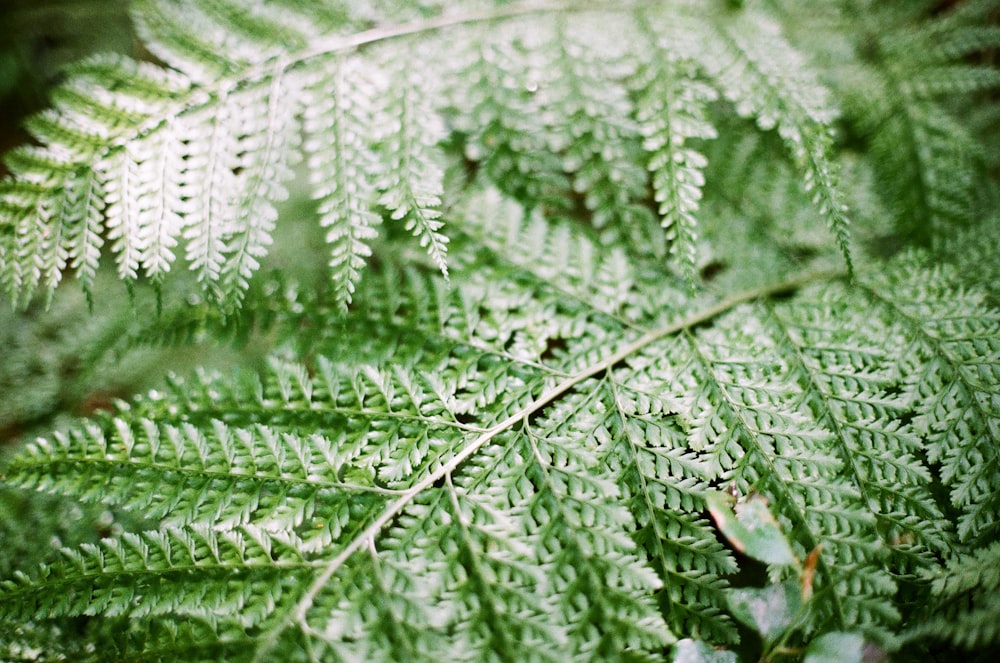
column 266, row 160
column 573, row 264
column 220, row 37
column 972, row 251
column 854, row 381
column 583, row 531
column 578, row 466
column 59, row 202
column 412, row 185
column 645, row 443
column 501, row 123
column 961, row 31
column 590, row 120
column 928, row 167
column 181, row 573
column 671, row 111
column 970, row 586
column 202, row 155
column 956, row 338
column 340, row 158
column 505, row 442
column 182, row 475
column 907, row 100
column 750, row 58
column 755, row 433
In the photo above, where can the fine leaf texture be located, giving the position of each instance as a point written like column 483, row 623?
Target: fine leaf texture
column 589, row 266
column 557, row 507
column 569, row 109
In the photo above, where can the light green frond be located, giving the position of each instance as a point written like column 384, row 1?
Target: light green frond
column 572, row 263
column 62, row 199
column 174, row 574
column 671, row 111
column 583, row 536
column 503, row 120
column 759, row 71
column 587, row 466
column 267, row 162
column 183, row 475
column 194, row 162
column 850, row 379
column 412, row 184
column 954, row 336
column 576, row 293
column 591, row 123
column 338, row 113
column 664, row 482
column 753, row 420
column 220, row 37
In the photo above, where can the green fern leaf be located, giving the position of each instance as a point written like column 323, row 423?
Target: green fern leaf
column 505, row 441
column 971, row 579
column 750, row 58
column 338, row 124
column 928, row 165
column 671, row 110
column 698, row 406
column 413, row 184
column 958, row 340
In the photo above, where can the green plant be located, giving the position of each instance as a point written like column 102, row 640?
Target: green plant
column 589, row 263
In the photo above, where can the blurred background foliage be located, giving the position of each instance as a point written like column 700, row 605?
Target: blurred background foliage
column 38, row 38
column 42, row 366
column 71, row 360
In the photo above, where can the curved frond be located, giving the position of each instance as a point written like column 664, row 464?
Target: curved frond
column 574, row 472
column 579, row 286
column 970, row 587
column 340, row 158
column 750, row 58
column 908, row 100
column 193, row 161
column 671, row 112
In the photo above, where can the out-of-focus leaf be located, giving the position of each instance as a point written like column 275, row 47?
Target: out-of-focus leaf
column 750, row 528
column 836, row 647
column 770, row 610
column 696, row 651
